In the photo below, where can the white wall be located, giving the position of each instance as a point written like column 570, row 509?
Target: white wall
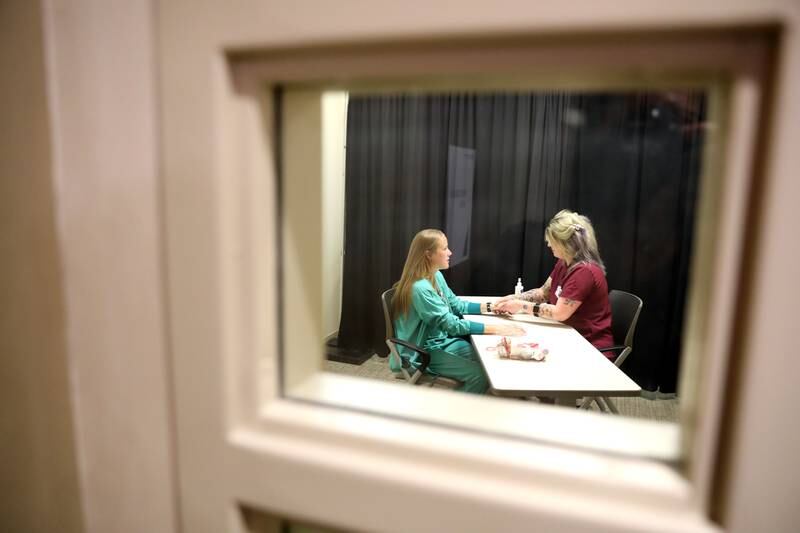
column 334, row 124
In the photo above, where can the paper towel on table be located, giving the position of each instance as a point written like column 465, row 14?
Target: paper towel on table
column 523, row 349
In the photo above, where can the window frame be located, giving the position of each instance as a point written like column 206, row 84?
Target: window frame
column 257, row 414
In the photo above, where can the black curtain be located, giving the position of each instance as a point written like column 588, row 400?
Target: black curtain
column 628, row 161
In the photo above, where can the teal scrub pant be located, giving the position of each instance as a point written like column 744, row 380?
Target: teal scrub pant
column 458, row 360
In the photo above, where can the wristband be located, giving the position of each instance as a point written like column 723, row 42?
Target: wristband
column 488, row 307
column 536, row 309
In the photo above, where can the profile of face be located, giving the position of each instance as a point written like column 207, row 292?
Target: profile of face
column 440, row 258
column 557, row 249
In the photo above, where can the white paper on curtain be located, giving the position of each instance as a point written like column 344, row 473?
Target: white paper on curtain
column 460, row 177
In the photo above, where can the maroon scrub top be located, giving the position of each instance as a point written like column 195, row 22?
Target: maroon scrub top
column 586, row 283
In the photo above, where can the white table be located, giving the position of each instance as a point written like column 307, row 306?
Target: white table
column 573, row 367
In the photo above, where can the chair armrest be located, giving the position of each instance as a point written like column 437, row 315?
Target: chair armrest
column 426, row 357
column 612, row 349
column 618, row 349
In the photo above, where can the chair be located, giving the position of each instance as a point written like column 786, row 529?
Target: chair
column 625, row 309
column 415, row 373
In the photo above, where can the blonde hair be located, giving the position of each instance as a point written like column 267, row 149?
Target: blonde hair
column 418, row 266
column 575, row 234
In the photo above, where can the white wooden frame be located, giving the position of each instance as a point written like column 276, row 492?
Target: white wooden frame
column 714, row 274
column 268, row 457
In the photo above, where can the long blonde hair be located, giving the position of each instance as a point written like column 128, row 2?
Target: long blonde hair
column 418, row 266
column 575, row 234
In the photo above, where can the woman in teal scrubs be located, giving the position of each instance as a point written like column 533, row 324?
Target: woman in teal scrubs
column 429, row 315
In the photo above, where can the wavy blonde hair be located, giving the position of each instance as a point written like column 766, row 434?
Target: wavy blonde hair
column 418, row 266
column 575, row 234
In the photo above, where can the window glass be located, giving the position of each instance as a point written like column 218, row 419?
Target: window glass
column 491, row 169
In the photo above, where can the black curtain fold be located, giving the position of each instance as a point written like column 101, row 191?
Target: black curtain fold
column 628, row 161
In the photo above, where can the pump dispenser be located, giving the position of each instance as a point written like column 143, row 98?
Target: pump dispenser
column 518, row 287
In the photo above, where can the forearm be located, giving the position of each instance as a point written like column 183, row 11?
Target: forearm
column 537, row 295
column 544, row 309
column 475, row 308
column 453, row 325
column 561, row 311
column 434, row 312
column 486, row 307
column 533, row 295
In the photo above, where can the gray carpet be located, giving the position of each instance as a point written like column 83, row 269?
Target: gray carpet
column 663, row 409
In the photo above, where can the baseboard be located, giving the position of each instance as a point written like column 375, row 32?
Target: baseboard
column 344, row 355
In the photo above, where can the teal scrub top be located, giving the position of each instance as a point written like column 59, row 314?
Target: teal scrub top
column 435, row 317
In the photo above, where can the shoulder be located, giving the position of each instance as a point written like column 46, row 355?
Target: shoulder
column 421, row 286
column 587, row 272
column 595, row 269
column 423, row 294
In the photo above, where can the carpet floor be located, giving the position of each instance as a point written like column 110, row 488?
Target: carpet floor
column 663, row 409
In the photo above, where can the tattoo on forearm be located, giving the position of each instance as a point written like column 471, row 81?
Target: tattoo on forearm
column 546, row 310
column 527, row 295
column 533, row 295
column 569, row 302
column 525, row 307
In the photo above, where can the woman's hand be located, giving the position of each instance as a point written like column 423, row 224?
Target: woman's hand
column 503, row 299
column 507, row 307
column 510, row 330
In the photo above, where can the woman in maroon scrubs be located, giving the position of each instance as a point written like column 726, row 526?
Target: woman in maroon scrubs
column 576, row 291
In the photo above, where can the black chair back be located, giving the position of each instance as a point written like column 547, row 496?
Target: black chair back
column 412, row 374
column 625, row 309
column 388, row 316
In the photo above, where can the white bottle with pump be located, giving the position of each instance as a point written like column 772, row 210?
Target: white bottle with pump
column 518, row 287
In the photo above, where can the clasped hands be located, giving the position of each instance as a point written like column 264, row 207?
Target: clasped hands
column 507, row 305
